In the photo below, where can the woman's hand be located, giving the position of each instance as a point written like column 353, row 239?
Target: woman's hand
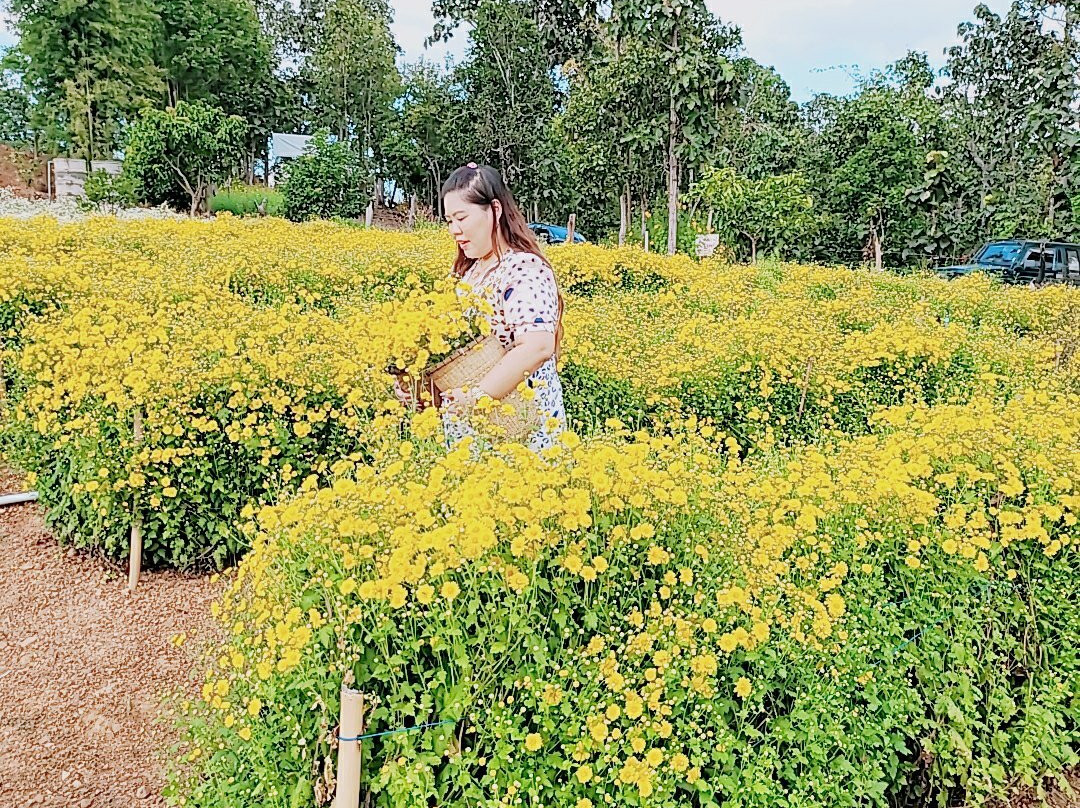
column 405, row 396
column 460, row 402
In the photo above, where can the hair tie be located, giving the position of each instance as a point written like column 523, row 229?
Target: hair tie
column 470, row 165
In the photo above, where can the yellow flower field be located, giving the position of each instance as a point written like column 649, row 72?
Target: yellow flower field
column 812, row 542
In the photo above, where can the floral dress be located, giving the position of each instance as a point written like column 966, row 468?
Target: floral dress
column 523, row 296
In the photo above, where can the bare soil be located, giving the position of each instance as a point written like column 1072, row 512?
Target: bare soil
column 12, row 162
column 82, row 669
column 11, row 482
column 1056, row 797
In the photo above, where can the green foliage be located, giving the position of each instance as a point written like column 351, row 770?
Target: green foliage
column 218, row 478
column 16, row 107
column 770, row 213
column 89, row 67
column 179, row 153
column 351, row 71
column 511, row 100
column 330, row 180
column 103, row 191
column 248, row 200
column 939, row 685
column 1013, row 94
column 214, row 51
column 420, row 143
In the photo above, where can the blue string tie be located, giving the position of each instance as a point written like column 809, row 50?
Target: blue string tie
column 417, row 728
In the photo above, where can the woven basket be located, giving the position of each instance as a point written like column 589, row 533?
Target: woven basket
column 465, row 367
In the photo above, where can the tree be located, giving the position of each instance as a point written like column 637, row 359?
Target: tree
column 510, row 99
column 936, row 233
column 694, row 50
column 351, row 70
column 615, row 132
column 1014, row 93
column 866, row 152
column 768, row 212
column 566, row 30
column 90, row 68
column 16, row 107
column 763, row 132
column 424, row 143
column 329, row 180
column 187, row 148
column 215, row 51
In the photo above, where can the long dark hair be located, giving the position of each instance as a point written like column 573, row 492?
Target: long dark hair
column 482, row 185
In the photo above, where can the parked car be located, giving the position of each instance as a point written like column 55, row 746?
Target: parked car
column 1023, row 261
column 554, row 234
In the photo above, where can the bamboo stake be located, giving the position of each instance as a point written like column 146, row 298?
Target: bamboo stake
column 351, row 725
column 135, row 553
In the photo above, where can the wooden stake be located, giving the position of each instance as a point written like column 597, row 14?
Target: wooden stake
column 135, row 553
column 412, row 212
column 369, row 214
column 351, row 725
column 570, row 228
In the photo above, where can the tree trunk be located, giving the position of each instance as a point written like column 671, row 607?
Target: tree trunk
column 876, row 245
column 753, row 250
column 412, row 212
column 623, row 217
column 644, row 225
column 673, row 176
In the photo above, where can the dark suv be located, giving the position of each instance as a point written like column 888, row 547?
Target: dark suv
column 1024, row 262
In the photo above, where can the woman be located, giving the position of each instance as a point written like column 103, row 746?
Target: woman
column 498, row 256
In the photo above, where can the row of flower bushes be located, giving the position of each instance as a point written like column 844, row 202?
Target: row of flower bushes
column 652, row 621
column 254, row 353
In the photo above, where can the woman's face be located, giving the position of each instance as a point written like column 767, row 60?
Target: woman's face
column 470, row 224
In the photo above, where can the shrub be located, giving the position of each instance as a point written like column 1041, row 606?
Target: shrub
column 657, row 623
column 249, row 200
column 330, row 180
column 103, row 191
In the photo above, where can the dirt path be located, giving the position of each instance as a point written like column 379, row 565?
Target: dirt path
column 81, row 667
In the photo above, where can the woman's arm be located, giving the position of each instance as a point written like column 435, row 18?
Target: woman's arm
column 530, row 351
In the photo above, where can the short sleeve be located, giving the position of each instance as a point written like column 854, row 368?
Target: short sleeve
column 528, row 295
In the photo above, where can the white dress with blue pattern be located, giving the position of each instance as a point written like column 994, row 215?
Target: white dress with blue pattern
column 524, row 297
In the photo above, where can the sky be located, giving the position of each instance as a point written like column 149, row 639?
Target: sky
column 816, row 45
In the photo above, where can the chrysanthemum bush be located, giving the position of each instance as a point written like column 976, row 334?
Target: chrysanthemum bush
column 817, row 547
column 256, row 353
column 649, row 620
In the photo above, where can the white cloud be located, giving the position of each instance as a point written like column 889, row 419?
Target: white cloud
column 815, row 45
column 811, row 43
column 413, row 23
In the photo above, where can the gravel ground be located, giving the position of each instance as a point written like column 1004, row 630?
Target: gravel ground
column 10, row 482
column 82, row 667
